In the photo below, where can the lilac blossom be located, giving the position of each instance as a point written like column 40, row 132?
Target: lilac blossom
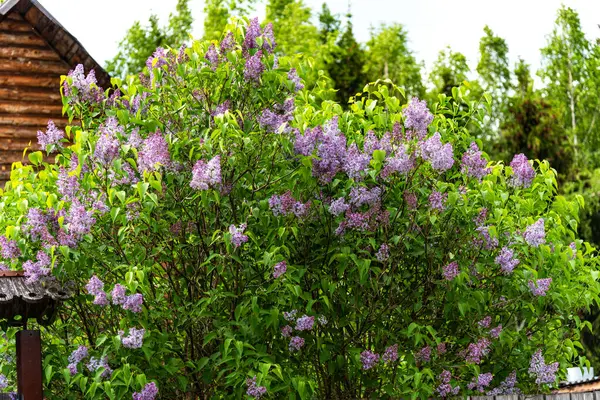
column 338, row 207
column 473, row 164
column 445, row 389
column 269, row 43
column 424, row 355
column 53, row 135
column 237, row 235
column 252, row 33
column 118, row 294
column 390, row 354
column 476, row 351
column 401, row 163
column 523, row 172
column 540, row 287
column 10, row 248
column 279, row 269
column 495, row 332
column 437, row 200
column 154, row 152
column 506, row 387
column 355, row 163
column 441, row 348
column 221, row 108
column 135, row 338
column 293, row 76
column 87, row 89
column 212, row 56
column 107, row 146
column 411, row 200
column 305, row 144
column 485, row 323
column 67, row 185
column 227, row 43
column 290, row 316
column 78, row 221
column 134, row 303
column 480, row 382
column 305, row 323
column 441, row 156
column 481, row 217
column 417, row 117
column 296, row 343
column 33, row 271
column 3, row 382
column 545, row 373
column 78, row 355
column 331, row 153
column 488, row 241
column 506, row 260
column 383, row 253
column 368, row 359
column 361, row 195
column 149, row 392
column 96, row 363
column 286, row 331
column 322, row 320
column 254, row 68
column 535, row 234
column 253, row 390
column 157, row 59
column 206, row 174
column 277, row 120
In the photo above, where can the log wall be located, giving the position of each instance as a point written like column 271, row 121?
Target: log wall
column 30, row 70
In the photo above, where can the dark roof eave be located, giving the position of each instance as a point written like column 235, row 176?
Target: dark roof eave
column 23, row 6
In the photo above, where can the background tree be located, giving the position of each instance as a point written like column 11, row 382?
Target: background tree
column 141, row 41
column 449, row 70
column 388, row 56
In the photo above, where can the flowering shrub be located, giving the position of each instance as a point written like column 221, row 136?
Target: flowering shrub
column 226, row 233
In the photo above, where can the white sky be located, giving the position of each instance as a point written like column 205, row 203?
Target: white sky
column 431, row 24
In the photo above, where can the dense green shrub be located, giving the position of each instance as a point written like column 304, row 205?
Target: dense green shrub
column 268, row 243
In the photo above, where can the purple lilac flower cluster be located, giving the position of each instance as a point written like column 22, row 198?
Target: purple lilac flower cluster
column 473, row 164
column 277, row 120
column 95, row 287
column 417, row 118
column 76, row 357
column 253, row 390
column 96, row 363
column 476, row 351
column 540, row 286
column 286, row 331
column 390, row 355
column 86, row 87
column 495, row 332
column 383, row 253
column 486, row 240
column 135, row 338
column 67, row 185
column 441, row 156
column 437, row 200
column 293, row 76
column 286, row 204
column 338, row 206
column 507, row 386
column 424, row 355
column 10, row 248
column 33, row 271
column 445, row 389
column 79, row 221
column 206, row 174
column 149, row 392
column 480, row 382
column 368, row 359
column 485, row 323
column 154, row 153
column 305, row 323
column 254, row 68
column 535, row 233
column 296, row 343
column 53, row 135
column 545, row 373
column 450, row 271
column 3, row 382
column 237, row 235
column 279, row 269
column 506, row 260
column 523, row 172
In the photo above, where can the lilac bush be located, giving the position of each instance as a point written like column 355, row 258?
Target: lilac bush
column 227, row 232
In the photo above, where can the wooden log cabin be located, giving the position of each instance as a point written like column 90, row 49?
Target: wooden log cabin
column 35, row 50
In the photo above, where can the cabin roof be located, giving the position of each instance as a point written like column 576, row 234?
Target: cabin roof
column 56, row 36
column 29, row 300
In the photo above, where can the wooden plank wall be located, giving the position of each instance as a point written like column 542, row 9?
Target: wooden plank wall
column 30, row 73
